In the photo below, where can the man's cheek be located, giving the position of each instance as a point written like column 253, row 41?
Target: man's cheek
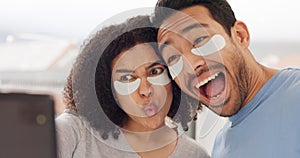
column 176, row 69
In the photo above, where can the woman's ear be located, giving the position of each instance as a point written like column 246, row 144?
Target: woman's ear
column 240, row 33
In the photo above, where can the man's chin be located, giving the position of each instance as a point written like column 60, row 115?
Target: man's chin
column 224, row 112
column 219, row 110
column 216, row 109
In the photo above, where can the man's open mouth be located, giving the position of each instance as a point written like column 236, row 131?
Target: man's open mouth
column 212, row 89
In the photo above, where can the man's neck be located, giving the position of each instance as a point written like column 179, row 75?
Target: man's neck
column 258, row 77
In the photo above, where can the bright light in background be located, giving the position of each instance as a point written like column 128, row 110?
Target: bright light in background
column 270, row 20
column 267, row 20
column 62, row 17
column 64, row 21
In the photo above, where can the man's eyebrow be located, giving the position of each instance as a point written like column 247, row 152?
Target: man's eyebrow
column 162, row 47
column 183, row 31
column 192, row 26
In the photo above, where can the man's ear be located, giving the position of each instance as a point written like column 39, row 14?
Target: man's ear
column 240, row 33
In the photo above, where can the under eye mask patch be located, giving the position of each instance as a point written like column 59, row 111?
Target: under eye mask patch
column 160, row 80
column 176, row 68
column 216, row 43
column 127, row 88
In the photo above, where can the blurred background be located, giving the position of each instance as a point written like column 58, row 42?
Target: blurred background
column 39, row 40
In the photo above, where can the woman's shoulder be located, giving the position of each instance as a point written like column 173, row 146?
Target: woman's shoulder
column 188, row 147
column 68, row 122
column 68, row 117
column 188, row 141
column 68, row 132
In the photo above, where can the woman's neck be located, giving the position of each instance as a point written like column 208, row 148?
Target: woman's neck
column 161, row 140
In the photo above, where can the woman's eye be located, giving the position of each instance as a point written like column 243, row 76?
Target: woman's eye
column 127, row 78
column 198, row 41
column 173, row 59
column 156, row 71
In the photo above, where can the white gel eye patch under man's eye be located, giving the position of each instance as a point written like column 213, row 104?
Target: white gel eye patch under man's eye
column 216, row 43
column 127, row 88
column 160, row 80
column 176, row 68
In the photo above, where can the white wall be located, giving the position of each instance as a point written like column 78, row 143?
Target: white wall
column 208, row 125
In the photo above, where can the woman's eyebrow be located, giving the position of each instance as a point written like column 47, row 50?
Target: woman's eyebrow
column 158, row 62
column 124, row 71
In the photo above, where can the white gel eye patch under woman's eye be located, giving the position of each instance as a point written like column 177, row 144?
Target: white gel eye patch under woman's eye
column 176, row 68
column 127, row 88
column 160, row 80
column 216, row 43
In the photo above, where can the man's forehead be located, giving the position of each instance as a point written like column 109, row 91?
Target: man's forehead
column 188, row 16
column 175, row 23
column 181, row 26
column 182, row 29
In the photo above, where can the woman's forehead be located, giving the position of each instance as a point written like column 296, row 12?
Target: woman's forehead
column 139, row 55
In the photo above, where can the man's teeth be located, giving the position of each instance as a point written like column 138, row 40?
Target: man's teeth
column 207, row 80
column 215, row 97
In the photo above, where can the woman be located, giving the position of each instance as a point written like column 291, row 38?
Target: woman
column 118, row 96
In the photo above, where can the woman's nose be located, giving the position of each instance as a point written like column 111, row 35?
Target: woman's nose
column 145, row 89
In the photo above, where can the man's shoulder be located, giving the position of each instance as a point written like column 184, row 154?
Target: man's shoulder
column 287, row 79
column 295, row 72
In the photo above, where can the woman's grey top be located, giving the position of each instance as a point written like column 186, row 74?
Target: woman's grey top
column 75, row 141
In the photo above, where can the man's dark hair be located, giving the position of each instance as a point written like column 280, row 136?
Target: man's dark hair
column 220, row 10
column 121, row 38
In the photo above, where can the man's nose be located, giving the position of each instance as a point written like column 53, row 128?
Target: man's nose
column 192, row 61
column 145, row 89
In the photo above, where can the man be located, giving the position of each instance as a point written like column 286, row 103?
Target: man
column 206, row 50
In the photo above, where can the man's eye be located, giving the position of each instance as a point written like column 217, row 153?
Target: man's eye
column 198, row 41
column 172, row 59
column 127, row 78
column 156, row 71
